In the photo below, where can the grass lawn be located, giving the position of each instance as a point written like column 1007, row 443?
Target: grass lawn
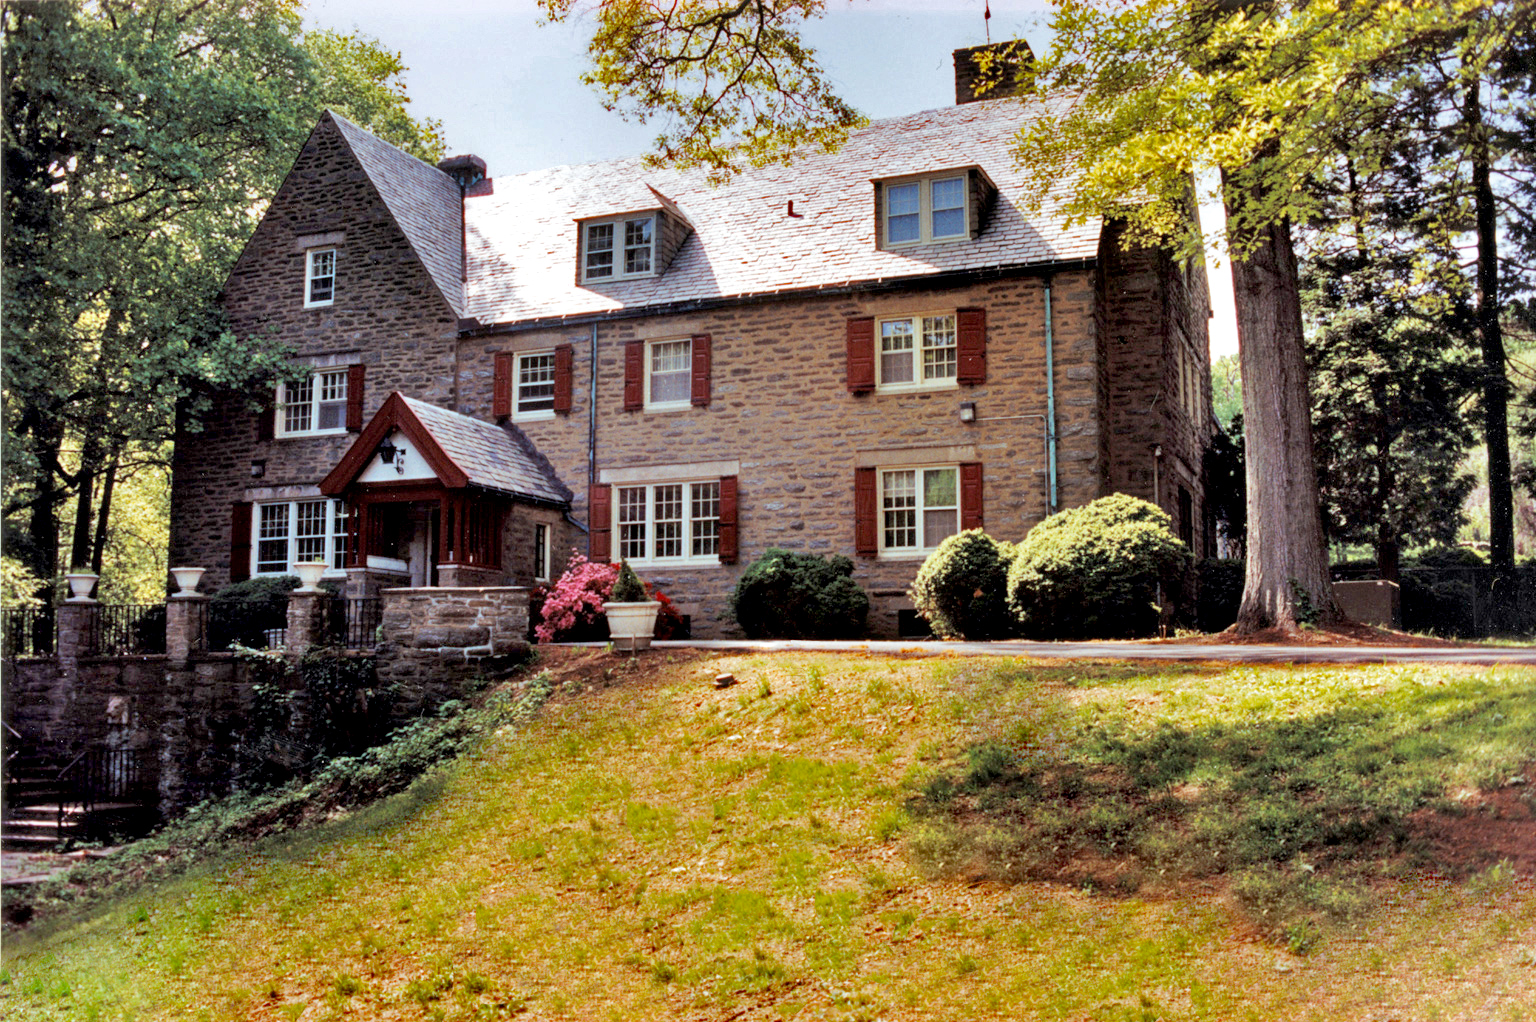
column 865, row 837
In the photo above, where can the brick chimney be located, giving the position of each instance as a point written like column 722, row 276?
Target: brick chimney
column 467, row 170
column 998, row 79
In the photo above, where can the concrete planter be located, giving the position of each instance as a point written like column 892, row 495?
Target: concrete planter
column 80, row 585
column 310, row 573
column 631, row 625
column 187, row 579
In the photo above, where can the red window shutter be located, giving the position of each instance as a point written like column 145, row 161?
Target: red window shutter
column 564, row 358
column 861, row 355
column 971, row 340
column 729, row 548
column 240, row 542
column 266, row 422
column 355, row 398
column 634, row 376
column 701, row 370
column 599, row 520
column 970, row 495
column 866, row 512
column 501, row 387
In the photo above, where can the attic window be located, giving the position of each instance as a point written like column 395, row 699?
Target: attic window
column 319, row 277
column 939, row 207
column 619, row 249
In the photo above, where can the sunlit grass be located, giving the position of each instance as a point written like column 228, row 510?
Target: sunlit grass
column 675, row 851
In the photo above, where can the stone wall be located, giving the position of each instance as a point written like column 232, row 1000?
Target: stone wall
column 435, row 639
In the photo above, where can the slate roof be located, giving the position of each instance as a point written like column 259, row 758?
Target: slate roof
column 523, row 235
column 493, row 457
column 423, row 200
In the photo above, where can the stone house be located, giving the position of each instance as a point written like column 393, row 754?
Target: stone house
column 859, row 353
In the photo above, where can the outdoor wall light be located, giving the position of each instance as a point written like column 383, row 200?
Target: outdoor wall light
column 387, row 452
column 967, row 411
column 258, row 468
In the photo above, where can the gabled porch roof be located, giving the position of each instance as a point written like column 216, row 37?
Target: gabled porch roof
column 462, row 452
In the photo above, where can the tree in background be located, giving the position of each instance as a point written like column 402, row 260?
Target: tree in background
column 139, row 142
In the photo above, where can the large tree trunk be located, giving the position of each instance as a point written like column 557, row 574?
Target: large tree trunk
column 1501, row 497
column 1287, row 580
column 108, row 482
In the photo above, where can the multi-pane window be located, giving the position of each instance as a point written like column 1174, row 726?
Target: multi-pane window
column 292, row 531
column 319, row 277
column 669, row 522
column 669, row 373
column 928, row 209
column 541, row 553
column 919, row 507
column 315, row 405
column 918, row 351
column 536, row 384
column 619, row 248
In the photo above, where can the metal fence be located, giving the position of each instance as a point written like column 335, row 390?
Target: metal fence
column 354, row 621
column 226, row 625
column 118, row 629
column 27, row 631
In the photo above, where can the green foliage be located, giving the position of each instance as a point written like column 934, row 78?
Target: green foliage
column 962, row 587
column 1093, row 571
column 627, row 588
column 347, row 710
column 734, row 81
column 1220, row 585
column 1225, row 464
column 243, row 612
column 787, row 595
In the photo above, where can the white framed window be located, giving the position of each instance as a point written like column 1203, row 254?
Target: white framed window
column 541, row 553
column 926, row 209
column 668, row 375
column 313, row 407
column 290, row 531
column 319, row 277
column 919, row 507
column 669, row 523
column 917, row 351
column 616, row 249
column 533, row 384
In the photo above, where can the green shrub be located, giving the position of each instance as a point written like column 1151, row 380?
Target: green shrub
column 1220, row 593
column 627, row 588
column 962, row 588
column 1093, row 571
column 785, row 595
column 244, row 612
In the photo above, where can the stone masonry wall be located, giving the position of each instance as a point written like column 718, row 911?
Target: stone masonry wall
column 388, row 315
column 435, row 638
column 780, row 407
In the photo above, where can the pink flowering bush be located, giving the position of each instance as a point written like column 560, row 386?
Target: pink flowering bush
column 573, row 606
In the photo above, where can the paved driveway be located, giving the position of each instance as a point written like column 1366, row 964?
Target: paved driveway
column 1490, row 655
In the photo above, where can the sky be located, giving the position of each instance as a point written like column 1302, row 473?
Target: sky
column 508, row 89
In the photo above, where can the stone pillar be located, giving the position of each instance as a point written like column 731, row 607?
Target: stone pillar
column 186, row 627
column 77, row 636
column 308, row 615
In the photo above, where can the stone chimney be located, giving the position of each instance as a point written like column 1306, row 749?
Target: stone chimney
column 467, row 170
column 990, row 71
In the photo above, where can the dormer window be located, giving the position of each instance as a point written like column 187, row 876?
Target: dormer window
column 319, row 277
column 941, row 207
column 617, row 249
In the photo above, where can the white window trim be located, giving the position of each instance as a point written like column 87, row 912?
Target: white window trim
column 681, row 404
column 546, row 548
column 280, row 418
column 332, row 509
column 618, row 224
column 648, row 561
column 925, row 209
column 517, row 376
column 917, row 382
column 917, row 552
column 309, row 276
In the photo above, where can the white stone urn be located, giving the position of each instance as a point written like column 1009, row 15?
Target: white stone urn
column 80, row 585
column 187, row 580
column 310, row 573
column 631, row 625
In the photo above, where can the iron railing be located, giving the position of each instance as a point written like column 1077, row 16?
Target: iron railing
column 228, row 624
column 27, row 631
column 118, row 629
column 354, row 621
column 99, row 778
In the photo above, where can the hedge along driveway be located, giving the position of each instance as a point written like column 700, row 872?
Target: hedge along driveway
column 1486, row 655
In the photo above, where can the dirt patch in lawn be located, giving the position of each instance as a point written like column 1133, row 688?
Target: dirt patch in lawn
column 1491, row 827
column 1348, row 633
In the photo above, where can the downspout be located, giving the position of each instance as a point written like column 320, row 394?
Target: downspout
column 592, row 417
column 1050, row 400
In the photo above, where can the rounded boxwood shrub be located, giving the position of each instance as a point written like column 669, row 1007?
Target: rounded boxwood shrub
column 1092, row 572
column 962, row 588
column 785, row 595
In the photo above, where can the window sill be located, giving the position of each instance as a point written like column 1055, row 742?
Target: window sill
column 670, row 406
column 916, row 388
column 320, row 305
column 696, row 562
column 310, row 433
column 904, row 555
column 544, row 416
